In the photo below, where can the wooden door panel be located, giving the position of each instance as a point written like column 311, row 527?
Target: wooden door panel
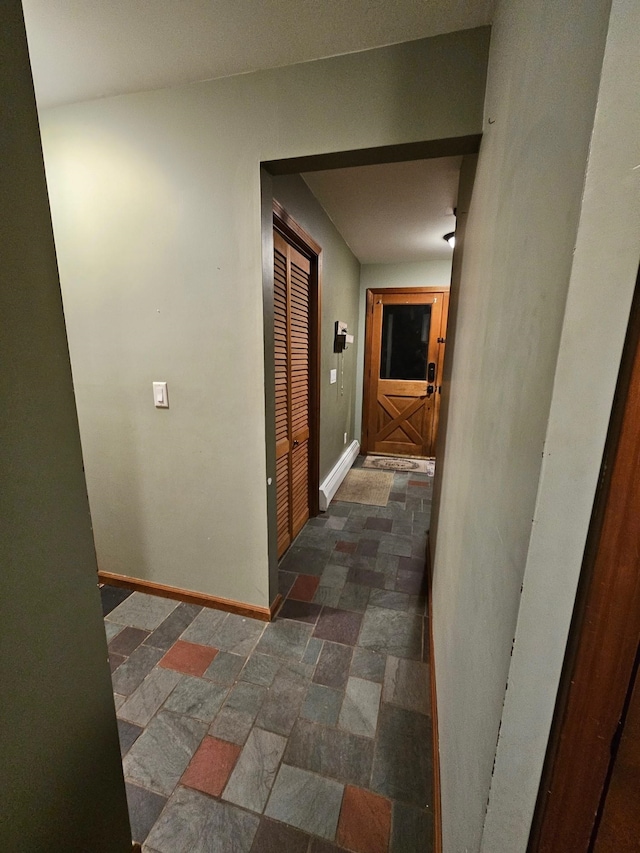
column 400, row 413
column 292, row 353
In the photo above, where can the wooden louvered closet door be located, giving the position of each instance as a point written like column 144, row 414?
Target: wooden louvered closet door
column 291, row 331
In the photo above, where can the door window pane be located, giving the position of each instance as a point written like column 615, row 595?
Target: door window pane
column 405, row 341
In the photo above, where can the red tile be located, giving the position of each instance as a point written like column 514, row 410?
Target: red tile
column 211, row 766
column 304, row 588
column 423, row 483
column 188, row 657
column 346, row 547
column 365, row 821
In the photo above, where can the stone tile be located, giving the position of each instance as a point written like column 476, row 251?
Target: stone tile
column 332, row 668
column 398, row 545
column 404, row 528
column 327, row 595
column 118, row 700
column 246, row 697
column 285, row 582
column 190, row 658
column 196, row 697
column 211, row 766
column 112, row 596
column 144, row 810
column 354, row 597
column 283, row 701
column 144, row 611
column 378, row 524
column 232, row 725
column 320, row 845
column 128, row 733
column 330, row 752
column 238, row 634
column 306, row 801
column 368, row 547
column 339, row 626
column 365, row 821
column 367, row 664
column 406, row 683
column 346, row 547
column 322, row 704
column 312, row 653
column 274, row 837
column 115, row 660
column 304, row 587
column 411, row 582
column 127, row 640
column 300, row 611
column 112, row 630
column 318, row 521
column 402, row 765
column 359, row 711
column 412, row 830
column 204, row 627
column 149, row 696
column 285, row 639
column 392, row 632
column 260, row 669
column 304, row 560
column 194, row 823
column 170, row 630
column 339, row 508
column 225, row 668
column 334, row 576
column 412, row 564
column 134, row 670
column 254, row 774
column 390, row 599
column 160, row 755
column 355, row 524
column 366, row 577
column 336, row 522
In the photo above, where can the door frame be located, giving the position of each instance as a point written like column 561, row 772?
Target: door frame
column 372, row 293
column 304, row 242
column 603, row 640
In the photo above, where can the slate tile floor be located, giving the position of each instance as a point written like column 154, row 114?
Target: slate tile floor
column 311, row 734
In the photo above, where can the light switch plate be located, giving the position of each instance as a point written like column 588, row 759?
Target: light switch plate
column 333, row 376
column 160, row 396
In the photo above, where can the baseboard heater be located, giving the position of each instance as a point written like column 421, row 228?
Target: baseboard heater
column 331, row 482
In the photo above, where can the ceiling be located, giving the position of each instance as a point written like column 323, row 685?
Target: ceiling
column 394, row 212
column 85, row 49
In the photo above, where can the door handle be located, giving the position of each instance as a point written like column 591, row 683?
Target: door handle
column 295, row 442
column 430, row 390
column 431, row 371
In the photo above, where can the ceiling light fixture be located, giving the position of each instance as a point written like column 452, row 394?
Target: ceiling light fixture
column 450, row 238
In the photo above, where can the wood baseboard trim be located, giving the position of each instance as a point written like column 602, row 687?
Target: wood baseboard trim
column 437, row 796
column 266, row 614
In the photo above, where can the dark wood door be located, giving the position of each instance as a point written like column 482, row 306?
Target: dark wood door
column 618, row 827
column 292, row 388
column 403, row 367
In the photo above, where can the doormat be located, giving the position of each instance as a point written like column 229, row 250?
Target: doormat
column 396, row 463
column 365, row 487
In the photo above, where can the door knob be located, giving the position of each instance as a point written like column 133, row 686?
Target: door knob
column 430, row 390
column 295, row 442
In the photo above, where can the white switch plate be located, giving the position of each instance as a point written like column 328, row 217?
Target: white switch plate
column 333, row 376
column 160, row 398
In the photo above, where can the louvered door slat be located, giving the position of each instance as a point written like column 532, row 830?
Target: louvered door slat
column 291, row 341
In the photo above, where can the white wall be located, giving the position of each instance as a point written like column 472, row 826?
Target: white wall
column 157, row 214
column 518, row 255
column 414, row 274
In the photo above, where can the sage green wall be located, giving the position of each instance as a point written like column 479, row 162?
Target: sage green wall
column 156, row 206
column 62, row 785
column 531, row 390
column 340, row 291
column 411, row 274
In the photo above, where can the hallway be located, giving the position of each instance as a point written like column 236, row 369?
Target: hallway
column 311, row 734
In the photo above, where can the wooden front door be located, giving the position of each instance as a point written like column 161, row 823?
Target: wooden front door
column 403, row 365
column 292, row 271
